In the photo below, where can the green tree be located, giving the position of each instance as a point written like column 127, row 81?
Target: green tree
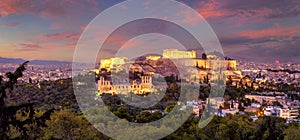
column 169, row 108
column 292, row 132
column 66, row 124
column 122, row 113
column 144, row 117
column 270, row 128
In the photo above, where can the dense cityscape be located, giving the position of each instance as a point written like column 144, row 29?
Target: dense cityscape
column 39, row 72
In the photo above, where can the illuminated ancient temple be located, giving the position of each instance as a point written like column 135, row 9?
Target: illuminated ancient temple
column 177, row 54
column 142, row 86
column 115, row 64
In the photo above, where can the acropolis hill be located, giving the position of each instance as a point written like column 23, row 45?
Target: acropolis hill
column 162, row 65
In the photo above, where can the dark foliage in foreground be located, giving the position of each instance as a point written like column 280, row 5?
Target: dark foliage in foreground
column 17, row 116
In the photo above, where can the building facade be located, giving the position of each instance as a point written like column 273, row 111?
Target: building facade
column 177, row 54
column 207, row 64
column 153, row 57
column 288, row 113
column 115, row 64
column 142, row 87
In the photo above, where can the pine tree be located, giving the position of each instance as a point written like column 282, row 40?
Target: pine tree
column 8, row 113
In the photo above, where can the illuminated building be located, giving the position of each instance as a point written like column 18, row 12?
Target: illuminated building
column 211, row 57
column 153, row 57
column 96, row 71
column 206, row 64
column 184, row 59
column 288, row 113
column 215, row 101
column 177, row 54
column 115, row 64
column 142, row 87
column 205, row 67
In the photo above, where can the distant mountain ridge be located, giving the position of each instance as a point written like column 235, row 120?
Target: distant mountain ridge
column 34, row 62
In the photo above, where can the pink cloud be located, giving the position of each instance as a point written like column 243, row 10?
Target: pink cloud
column 214, row 8
column 132, row 44
column 45, row 9
column 271, row 32
column 62, row 35
column 122, row 42
column 116, row 40
column 263, row 12
column 9, row 7
column 13, row 6
column 244, row 9
column 28, row 47
column 211, row 9
column 51, row 47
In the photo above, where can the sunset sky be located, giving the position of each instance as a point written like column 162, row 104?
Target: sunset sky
column 256, row 30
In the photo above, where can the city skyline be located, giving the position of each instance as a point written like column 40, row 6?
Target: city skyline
column 260, row 31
